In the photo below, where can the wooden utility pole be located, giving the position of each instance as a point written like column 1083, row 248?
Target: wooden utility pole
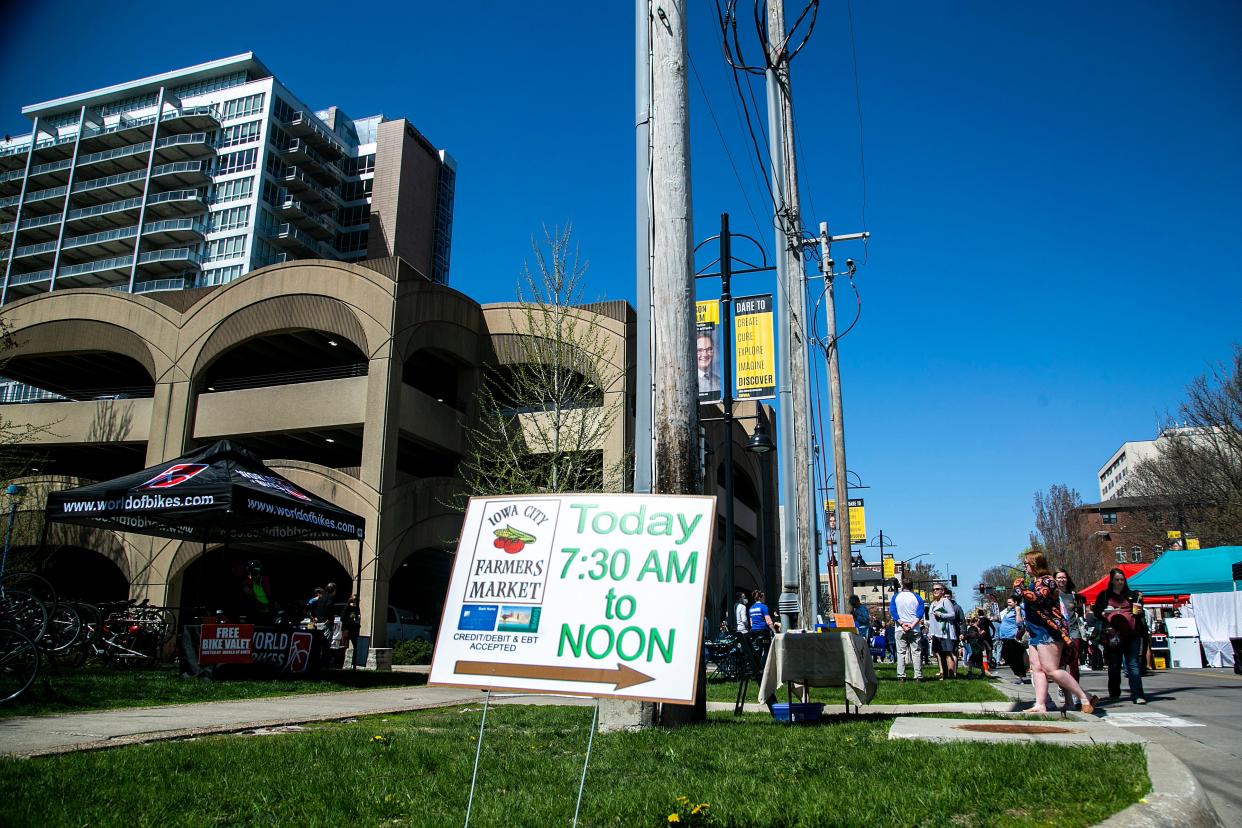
column 800, row 596
column 675, row 414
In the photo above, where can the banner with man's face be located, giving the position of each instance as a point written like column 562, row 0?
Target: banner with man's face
column 707, row 349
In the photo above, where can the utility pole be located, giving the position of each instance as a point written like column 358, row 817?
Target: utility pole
column 642, row 238
column 800, row 568
column 846, row 577
column 675, row 410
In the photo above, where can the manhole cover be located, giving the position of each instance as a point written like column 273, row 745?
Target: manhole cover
column 1014, row 728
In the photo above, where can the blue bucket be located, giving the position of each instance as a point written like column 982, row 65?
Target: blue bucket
column 803, row 712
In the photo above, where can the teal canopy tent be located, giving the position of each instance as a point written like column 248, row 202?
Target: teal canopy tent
column 1189, row 571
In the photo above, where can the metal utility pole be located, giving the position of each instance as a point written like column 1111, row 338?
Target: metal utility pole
column 675, row 410
column 799, row 597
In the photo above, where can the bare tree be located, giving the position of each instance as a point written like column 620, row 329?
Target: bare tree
column 544, row 410
column 1058, row 535
column 1197, row 474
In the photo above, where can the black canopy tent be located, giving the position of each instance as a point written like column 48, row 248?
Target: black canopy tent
column 220, row 493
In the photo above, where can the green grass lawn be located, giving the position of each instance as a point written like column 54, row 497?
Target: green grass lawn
column 99, row 688
column 752, row 772
column 889, row 690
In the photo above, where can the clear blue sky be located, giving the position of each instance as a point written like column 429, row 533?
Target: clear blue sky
column 1054, row 190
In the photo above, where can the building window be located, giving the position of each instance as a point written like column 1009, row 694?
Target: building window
column 353, row 216
column 229, row 248
column 235, row 162
column 1109, row 518
column 360, row 165
column 230, row 219
column 1121, row 554
column 351, row 242
column 241, row 107
column 1136, row 554
column 240, row 134
column 354, row 190
column 233, row 190
column 220, row 275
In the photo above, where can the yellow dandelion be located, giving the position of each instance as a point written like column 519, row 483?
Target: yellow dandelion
column 674, row 818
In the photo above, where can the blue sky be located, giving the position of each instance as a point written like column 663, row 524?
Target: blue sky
column 1053, row 192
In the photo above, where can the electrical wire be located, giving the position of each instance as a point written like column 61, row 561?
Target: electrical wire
column 724, row 144
column 862, row 156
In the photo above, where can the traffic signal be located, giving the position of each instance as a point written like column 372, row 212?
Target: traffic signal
column 953, row 580
column 983, row 590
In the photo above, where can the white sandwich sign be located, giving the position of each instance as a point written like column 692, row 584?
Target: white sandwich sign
column 597, row 595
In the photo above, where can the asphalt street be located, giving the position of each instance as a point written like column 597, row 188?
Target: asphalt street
column 1197, row 716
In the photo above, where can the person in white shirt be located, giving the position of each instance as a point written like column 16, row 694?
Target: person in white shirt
column 906, row 608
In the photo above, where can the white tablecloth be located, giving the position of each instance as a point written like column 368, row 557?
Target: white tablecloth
column 826, row 659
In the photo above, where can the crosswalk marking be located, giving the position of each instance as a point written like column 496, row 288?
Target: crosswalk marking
column 1147, row 720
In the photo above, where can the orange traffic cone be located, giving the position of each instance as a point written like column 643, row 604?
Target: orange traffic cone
column 986, row 668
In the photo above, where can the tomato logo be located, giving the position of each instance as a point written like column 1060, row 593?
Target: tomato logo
column 512, row 540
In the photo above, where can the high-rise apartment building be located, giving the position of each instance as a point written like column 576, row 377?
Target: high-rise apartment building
column 197, row 176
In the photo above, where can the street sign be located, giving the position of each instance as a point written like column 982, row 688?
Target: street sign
column 594, row 595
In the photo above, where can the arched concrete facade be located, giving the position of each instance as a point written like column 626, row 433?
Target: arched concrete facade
column 388, row 313
column 392, row 316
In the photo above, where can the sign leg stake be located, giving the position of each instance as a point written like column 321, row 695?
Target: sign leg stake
column 587, row 761
column 487, row 697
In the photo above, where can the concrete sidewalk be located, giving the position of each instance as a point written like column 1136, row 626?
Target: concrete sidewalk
column 42, row 735
column 45, row 735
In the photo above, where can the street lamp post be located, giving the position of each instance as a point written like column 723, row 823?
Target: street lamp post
column 761, row 444
column 726, row 272
column 15, row 492
column 831, row 522
column 881, row 541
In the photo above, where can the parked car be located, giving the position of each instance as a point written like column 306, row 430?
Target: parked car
column 402, row 626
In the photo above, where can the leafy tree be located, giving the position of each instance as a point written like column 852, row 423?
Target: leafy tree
column 1197, row 474
column 544, row 412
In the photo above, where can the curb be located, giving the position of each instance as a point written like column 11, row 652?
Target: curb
column 1177, row 800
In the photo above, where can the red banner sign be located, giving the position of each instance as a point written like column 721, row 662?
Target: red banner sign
column 226, row 644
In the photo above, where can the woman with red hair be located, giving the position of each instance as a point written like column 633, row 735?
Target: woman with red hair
column 1047, row 631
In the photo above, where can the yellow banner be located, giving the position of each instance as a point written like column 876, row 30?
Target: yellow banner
column 890, row 567
column 1192, row 543
column 707, row 350
column 858, row 518
column 707, row 313
column 755, row 347
column 1172, row 534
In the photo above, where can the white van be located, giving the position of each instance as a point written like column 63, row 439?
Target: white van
column 401, row 626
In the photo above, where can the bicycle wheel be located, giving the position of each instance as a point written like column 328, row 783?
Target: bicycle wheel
column 21, row 611
column 36, row 585
column 64, row 626
column 19, row 664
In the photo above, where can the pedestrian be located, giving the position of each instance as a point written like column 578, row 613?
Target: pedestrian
column 1067, row 597
column 1009, row 631
column 741, row 620
column 890, row 641
column 762, row 628
column 907, row 610
column 862, row 617
column 1047, row 633
column 1144, row 632
column 1117, row 608
column 351, row 624
column 943, row 625
column 256, row 590
column 987, row 634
